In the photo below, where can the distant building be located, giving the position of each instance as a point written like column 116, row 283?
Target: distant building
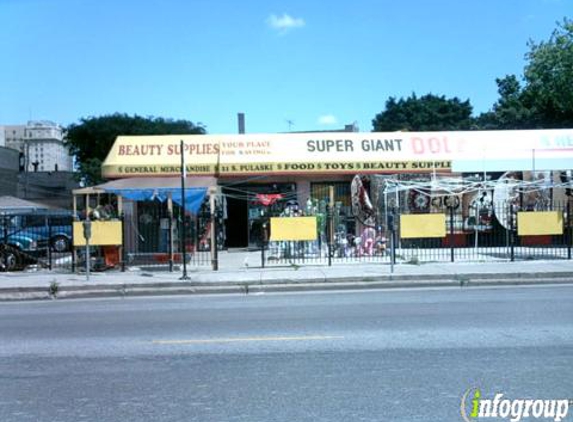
column 2, row 137
column 41, row 144
column 35, row 164
column 9, row 166
column 52, row 188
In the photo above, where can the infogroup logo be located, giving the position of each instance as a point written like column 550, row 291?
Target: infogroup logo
column 475, row 407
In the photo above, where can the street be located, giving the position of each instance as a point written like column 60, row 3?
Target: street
column 375, row 355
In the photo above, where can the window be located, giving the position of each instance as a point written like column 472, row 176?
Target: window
column 320, row 191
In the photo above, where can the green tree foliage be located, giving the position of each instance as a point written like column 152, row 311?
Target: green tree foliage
column 545, row 99
column 511, row 111
column 427, row 113
column 549, row 77
column 91, row 139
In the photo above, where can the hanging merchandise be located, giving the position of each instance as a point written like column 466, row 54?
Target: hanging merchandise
column 452, row 201
column 362, row 207
column 538, row 196
column 267, row 199
column 418, row 202
column 480, row 212
column 506, row 200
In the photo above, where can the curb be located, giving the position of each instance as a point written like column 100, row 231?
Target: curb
column 283, row 285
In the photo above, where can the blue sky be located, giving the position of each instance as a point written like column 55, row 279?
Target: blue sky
column 319, row 64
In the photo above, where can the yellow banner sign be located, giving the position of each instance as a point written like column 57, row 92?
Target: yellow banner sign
column 539, row 223
column 293, row 228
column 415, row 226
column 104, row 233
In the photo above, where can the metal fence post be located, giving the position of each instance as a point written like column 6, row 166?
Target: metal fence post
column 330, row 222
column 512, row 227
column 170, row 240
column 213, row 208
column 263, row 243
column 328, row 234
column 569, row 229
column 49, row 243
column 87, row 226
column 391, row 224
column 5, row 255
column 123, row 254
column 451, row 233
column 74, row 250
column 393, row 247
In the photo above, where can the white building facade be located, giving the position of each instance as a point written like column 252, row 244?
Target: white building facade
column 42, row 145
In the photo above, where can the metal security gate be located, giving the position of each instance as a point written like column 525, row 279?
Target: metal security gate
column 153, row 236
column 341, row 237
column 486, row 239
column 485, row 231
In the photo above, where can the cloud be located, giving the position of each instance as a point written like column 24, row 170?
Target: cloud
column 327, row 120
column 284, row 23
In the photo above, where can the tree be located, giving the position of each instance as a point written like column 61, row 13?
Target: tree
column 511, row 111
column 427, row 113
column 545, row 100
column 549, row 77
column 91, row 139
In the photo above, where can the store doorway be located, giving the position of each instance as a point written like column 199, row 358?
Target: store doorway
column 236, row 224
column 246, row 214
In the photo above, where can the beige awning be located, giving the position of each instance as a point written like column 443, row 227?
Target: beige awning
column 339, row 153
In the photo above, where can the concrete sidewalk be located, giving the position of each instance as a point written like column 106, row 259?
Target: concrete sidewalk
column 46, row 284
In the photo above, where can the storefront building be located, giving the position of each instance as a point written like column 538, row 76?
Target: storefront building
column 258, row 174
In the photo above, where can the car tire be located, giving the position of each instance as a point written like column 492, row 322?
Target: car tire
column 10, row 259
column 61, row 244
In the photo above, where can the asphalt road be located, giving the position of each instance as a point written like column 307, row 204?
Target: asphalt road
column 340, row 356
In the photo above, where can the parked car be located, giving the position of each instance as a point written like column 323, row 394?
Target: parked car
column 20, row 250
column 26, row 237
column 55, row 228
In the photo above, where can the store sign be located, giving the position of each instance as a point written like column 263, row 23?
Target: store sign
column 331, row 153
column 539, row 223
column 102, row 233
column 419, row 226
column 293, row 228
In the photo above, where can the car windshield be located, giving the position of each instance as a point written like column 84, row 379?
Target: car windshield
column 10, row 221
column 34, row 220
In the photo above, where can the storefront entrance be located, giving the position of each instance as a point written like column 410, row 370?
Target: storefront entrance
column 248, row 206
column 236, row 223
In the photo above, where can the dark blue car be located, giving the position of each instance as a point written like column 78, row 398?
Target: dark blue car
column 24, row 238
column 53, row 230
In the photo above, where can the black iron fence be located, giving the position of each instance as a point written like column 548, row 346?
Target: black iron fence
column 501, row 231
column 153, row 236
column 36, row 241
column 498, row 231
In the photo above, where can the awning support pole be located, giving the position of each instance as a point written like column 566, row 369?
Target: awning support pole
column 183, row 248
column 170, row 215
column 214, row 251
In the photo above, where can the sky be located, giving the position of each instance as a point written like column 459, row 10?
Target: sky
column 288, row 65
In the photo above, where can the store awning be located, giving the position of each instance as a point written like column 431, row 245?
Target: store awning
column 157, row 188
column 339, row 153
